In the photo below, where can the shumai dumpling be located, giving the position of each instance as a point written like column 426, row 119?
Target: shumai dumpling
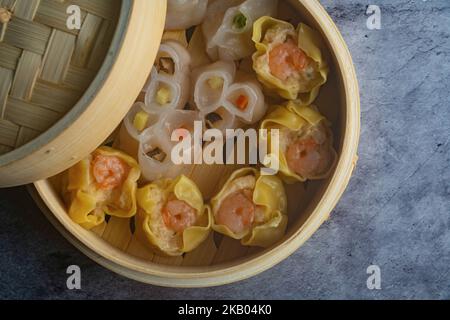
column 172, row 217
column 306, row 143
column 289, row 62
column 103, row 183
column 252, row 208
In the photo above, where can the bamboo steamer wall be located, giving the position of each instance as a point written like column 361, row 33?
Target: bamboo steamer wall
column 221, row 260
column 57, row 85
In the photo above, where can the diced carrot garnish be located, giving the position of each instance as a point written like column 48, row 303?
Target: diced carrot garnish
column 242, row 102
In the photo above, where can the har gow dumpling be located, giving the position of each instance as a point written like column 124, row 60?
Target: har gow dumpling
column 183, row 14
column 225, row 102
column 228, row 27
column 156, row 145
column 138, row 120
column 169, row 83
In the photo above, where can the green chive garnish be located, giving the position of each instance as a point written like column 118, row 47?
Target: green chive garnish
column 240, row 21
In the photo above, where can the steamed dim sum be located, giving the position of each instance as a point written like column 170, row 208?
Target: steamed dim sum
column 246, row 101
column 211, row 84
column 289, row 62
column 183, row 14
column 251, row 208
column 228, row 27
column 156, row 146
column 224, row 102
column 172, row 217
column 138, row 120
column 222, row 75
column 103, row 183
column 168, row 87
column 306, row 142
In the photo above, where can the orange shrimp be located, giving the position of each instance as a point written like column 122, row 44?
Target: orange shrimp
column 287, row 60
column 237, row 211
column 109, row 171
column 178, row 215
column 308, row 158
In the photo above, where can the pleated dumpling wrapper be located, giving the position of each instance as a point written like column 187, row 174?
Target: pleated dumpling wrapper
column 156, row 148
column 168, row 86
column 103, row 183
column 228, row 27
column 306, row 149
column 289, row 62
column 225, row 99
column 183, row 14
column 252, row 208
column 172, row 217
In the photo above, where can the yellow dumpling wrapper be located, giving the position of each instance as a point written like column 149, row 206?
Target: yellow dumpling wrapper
column 152, row 199
column 308, row 40
column 296, row 116
column 88, row 203
column 269, row 193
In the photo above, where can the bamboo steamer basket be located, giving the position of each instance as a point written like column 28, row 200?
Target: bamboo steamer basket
column 220, row 260
column 62, row 91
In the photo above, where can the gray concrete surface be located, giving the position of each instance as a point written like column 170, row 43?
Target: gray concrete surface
column 395, row 213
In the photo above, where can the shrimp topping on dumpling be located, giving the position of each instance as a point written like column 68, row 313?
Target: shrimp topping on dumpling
column 251, row 208
column 172, row 218
column 309, row 154
column 103, row 183
column 178, row 215
column 289, row 62
column 306, row 142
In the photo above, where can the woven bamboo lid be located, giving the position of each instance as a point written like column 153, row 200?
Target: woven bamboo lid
column 50, row 75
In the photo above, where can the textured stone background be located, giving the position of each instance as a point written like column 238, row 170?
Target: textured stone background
column 395, row 213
